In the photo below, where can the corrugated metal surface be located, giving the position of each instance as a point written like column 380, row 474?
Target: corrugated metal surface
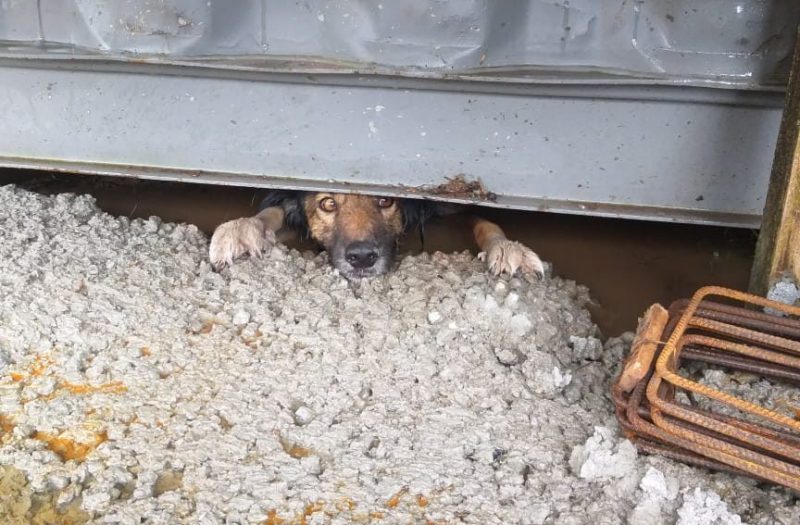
column 719, row 42
column 666, row 110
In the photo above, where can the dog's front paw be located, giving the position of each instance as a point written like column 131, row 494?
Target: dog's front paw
column 504, row 256
column 233, row 239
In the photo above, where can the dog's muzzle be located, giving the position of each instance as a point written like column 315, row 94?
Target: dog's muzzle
column 363, row 259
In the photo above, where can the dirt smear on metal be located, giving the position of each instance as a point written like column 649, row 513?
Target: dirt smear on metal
column 460, row 187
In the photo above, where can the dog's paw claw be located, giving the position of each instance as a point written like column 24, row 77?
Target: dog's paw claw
column 507, row 257
column 235, row 238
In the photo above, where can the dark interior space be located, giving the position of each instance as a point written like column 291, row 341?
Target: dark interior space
column 627, row 264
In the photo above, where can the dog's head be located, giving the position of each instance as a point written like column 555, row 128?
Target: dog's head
column 360, row 232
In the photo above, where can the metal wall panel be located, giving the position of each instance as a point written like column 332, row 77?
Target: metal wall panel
column 657, row 156
column 742, row 43
column 655, row 109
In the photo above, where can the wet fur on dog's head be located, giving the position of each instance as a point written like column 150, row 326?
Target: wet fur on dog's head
column 360, row 232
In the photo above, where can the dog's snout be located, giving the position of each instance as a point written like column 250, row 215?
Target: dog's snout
column 361, row 254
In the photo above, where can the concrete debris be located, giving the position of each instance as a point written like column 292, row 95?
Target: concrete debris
column 138, row 385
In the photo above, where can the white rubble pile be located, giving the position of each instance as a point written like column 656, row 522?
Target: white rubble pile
column 141, row 384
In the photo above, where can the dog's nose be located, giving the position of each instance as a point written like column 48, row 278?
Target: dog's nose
column 361, row 255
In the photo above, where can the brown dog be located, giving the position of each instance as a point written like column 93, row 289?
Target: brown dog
column 360, row 232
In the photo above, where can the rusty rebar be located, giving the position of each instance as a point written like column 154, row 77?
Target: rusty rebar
column 736, row 337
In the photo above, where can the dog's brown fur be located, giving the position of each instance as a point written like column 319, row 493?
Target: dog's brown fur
column 357, row 218
column 360, row 232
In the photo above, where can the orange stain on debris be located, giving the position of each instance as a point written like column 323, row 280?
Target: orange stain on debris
column 343, row 506
column 311, row 509
column 145, row 352
column 293, row 449
column 207, row 327
column 422, row 501
column 36, row 368
column 297, row 452
column 68, row 449
column 252, row 342
column 114, row 387
column 395, row 500
column 6, row 425
column 273, row 518
column 40, row 364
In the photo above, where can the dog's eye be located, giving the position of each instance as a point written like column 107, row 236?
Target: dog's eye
column 385, row 202
column 327, row 204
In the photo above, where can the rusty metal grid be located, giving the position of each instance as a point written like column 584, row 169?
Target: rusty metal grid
column 726, row 332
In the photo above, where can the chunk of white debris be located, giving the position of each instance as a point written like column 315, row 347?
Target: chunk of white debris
column 434, row 317
column 507, row 356
column 561, row 379
column 303, row 415
column 655, row 484
column 241, row 318
column 705, row 507
column 512, row 299
column 648, row 511
column 603, row 456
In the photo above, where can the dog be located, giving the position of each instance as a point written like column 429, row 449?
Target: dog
column 359, row 232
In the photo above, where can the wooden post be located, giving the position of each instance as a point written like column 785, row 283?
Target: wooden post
column 778, row 248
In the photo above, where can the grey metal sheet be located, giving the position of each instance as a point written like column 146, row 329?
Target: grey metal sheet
column 723, row 43
column 651, row 153
column 629, row 108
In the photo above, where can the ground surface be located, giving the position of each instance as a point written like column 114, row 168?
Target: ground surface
column 138, row 386
column 628, row 265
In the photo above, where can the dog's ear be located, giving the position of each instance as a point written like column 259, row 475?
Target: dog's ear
column 292, row 204
column 415, row 213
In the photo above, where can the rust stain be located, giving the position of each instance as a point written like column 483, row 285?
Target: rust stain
column 343, row 506
column 273, row 518
column 297, row 452
column 395, row 500
column 40, row 364
column 252, row 342
column 207, row 327
column 69, row 449
column 114, row 387
column 422, row 501
column 293, row 449
column 37, row 368
column 145, row 351
column 311, row 509
column 6, row 425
